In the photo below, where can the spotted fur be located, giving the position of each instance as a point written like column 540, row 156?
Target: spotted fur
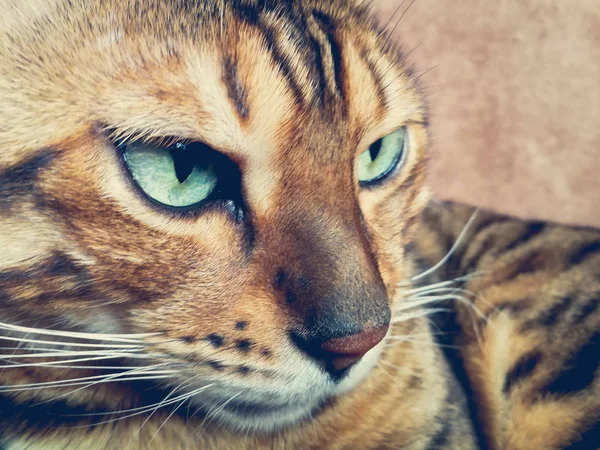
column 528, row 349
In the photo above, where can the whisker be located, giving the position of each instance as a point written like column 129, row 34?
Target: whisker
column 212, row 414
column 400, row 370
column 172, row 392
column 54, row 363
column 420, row 342
column 453, row 249
column 384, row 30
column 62, row 354
column 181, row 403
column 81, row 383
column 128, row 338
column 418, row 314
column 446, row 283
column 398, row 21
column 58, row 354
column 116, row 376
column 94, row 367
column 422, row 301
column 145, row 409
column 47, row 349
column 70, row 344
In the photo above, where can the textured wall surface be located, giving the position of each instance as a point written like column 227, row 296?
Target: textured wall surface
column 514, row 95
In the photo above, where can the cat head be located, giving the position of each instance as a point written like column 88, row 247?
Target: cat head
column 232, row 185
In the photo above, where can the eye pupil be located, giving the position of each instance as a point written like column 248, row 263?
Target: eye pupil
column 183, row 161
column 374, row 149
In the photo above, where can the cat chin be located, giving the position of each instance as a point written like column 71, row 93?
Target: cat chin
column 257, row 418
column 259, row 415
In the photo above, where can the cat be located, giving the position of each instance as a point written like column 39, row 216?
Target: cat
column 213, row 234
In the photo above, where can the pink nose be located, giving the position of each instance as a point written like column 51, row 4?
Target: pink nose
column 345, row 351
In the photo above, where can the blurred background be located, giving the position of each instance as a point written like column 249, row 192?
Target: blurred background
column 513, row 88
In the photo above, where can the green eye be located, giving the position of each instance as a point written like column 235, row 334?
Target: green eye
column 382, row 157
column 178, row 176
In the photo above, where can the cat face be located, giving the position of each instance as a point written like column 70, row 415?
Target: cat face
column 232, row 185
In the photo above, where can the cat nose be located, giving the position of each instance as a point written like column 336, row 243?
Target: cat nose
column 342, row 353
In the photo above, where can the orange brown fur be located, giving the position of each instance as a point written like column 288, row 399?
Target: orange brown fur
column 215, row 299
column 95, row 257
column 531, row 352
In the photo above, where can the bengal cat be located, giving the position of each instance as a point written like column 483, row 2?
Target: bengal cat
column 211, row 238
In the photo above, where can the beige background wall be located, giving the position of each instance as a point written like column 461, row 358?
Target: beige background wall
column 514, row 92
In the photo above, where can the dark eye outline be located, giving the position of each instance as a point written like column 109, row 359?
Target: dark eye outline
column 394, row 167
column 226, row 195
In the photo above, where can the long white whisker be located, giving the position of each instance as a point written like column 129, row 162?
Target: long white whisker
column 181, row 403
column 63, row 354
column 445, row 283
column 442, row 284
column 69, row 361
column 425, row 300
column 109, row 377
column 145, row 409
column 88, row 367
column 54, row 350
column 420, row 342
column 71, row 344
column 127, row 338
column 18, row 346
column 173, row 391
column 71, row 380
column 439, row 290
column 212, row 414
column 85, row 383
column 417, row 314
column 448, row 255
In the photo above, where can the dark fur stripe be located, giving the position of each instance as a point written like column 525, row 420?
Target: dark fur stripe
column 585, row 252
column 236, row 91
column 441, row 439
column 488, row 223
column 579, row 370
column 550, row 316
column 485, row 248
column 448, row 340
column 522, row 369
column 34, row 415
column 530, row 263
column 533, row 230
column 513, row 307
column 483, row 227
column 319, row 65
column 586, row 309
column 19, row 179
column 328, row 28
column 56, row 265
column 253, row 16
